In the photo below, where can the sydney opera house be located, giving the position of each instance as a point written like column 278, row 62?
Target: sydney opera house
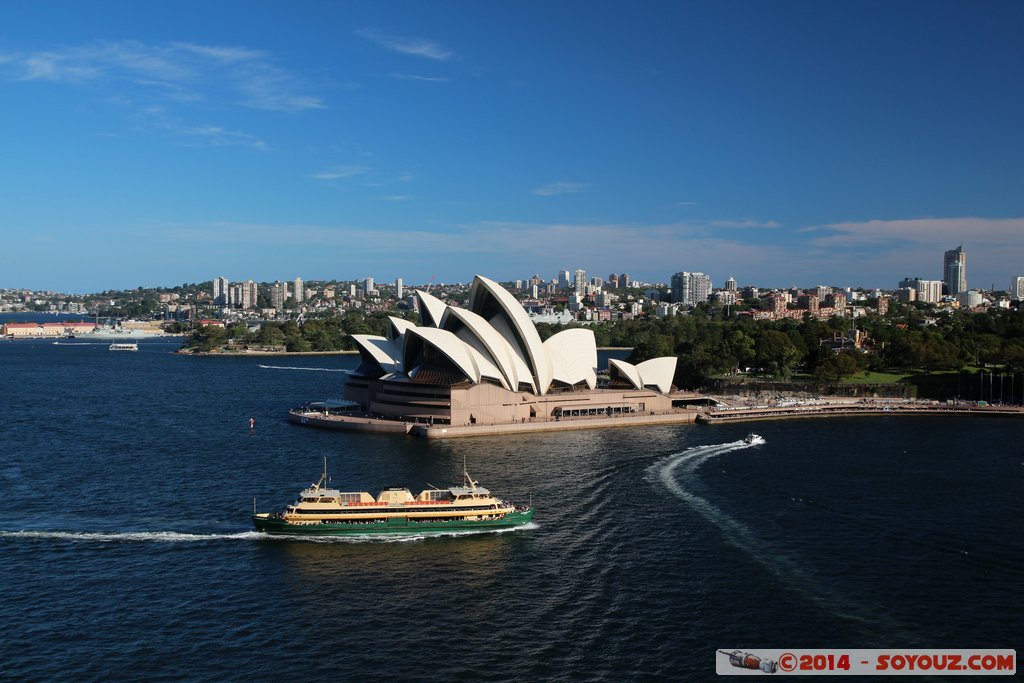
column 486, row 365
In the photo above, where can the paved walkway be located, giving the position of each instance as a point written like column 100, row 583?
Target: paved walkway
column 744, row 414
column 362, row 423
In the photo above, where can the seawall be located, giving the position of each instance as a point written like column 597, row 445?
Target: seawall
column 360, row 423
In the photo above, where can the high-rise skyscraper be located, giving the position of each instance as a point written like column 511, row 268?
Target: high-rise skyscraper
column 299, row 294
column 221, row 288
column 690, row 288
column 278, row 293
column 730, row 284
column 954, row 271
column 563, row 279
column 249, row 294
column 1017, row 287
column 624, row 281
column 398, row 288
column 581, row 282
column 368, row 287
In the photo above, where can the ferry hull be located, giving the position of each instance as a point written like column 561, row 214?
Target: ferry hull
column 399, row 525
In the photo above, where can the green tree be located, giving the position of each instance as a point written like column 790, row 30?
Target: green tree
column 836, row 366
column 238, row 331
column 208, row 337
column 740, row 349
column 775, row 352
column 270, row 335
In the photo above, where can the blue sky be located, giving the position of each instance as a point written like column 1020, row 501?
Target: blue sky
column 780, row 143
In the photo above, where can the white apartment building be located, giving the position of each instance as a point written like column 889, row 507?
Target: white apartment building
column 1017, row 287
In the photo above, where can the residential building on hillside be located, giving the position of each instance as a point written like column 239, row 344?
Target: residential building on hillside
column 580, row 281
column 929, row 291
column 250, row 293
column 278, row 294
column 220, row 291
column 969, row 299
column 1017, row 287
column 690, row 288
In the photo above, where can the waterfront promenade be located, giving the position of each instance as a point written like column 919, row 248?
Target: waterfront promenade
column 788, row 410
column 361, row 422
column 718, row 414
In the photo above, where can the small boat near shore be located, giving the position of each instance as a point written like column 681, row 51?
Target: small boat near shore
column 323, row 511
column 753, row 439
column 121, row 347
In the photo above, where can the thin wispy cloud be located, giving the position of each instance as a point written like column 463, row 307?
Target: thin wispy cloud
column 225, row 54
column 172, row 91
column 177, row 71
column 1004, row 232
column 417, row 47
column 662, row 249
column 222, row 137
column 560, row 188
column 604, row 246
column 158, row 118
column 746, row 224
column 338, row 172
column 416, row 77
column 402, row 178
column 885, row 250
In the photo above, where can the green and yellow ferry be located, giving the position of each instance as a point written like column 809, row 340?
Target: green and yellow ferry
column 322, row 511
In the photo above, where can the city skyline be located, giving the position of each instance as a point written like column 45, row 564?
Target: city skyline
column 782, row 144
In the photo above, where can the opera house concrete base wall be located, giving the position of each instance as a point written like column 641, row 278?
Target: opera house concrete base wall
column 467, row 404
column 363, row 423
column 569, row 424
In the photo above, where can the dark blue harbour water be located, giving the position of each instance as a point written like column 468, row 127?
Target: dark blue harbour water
column 126, row 481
